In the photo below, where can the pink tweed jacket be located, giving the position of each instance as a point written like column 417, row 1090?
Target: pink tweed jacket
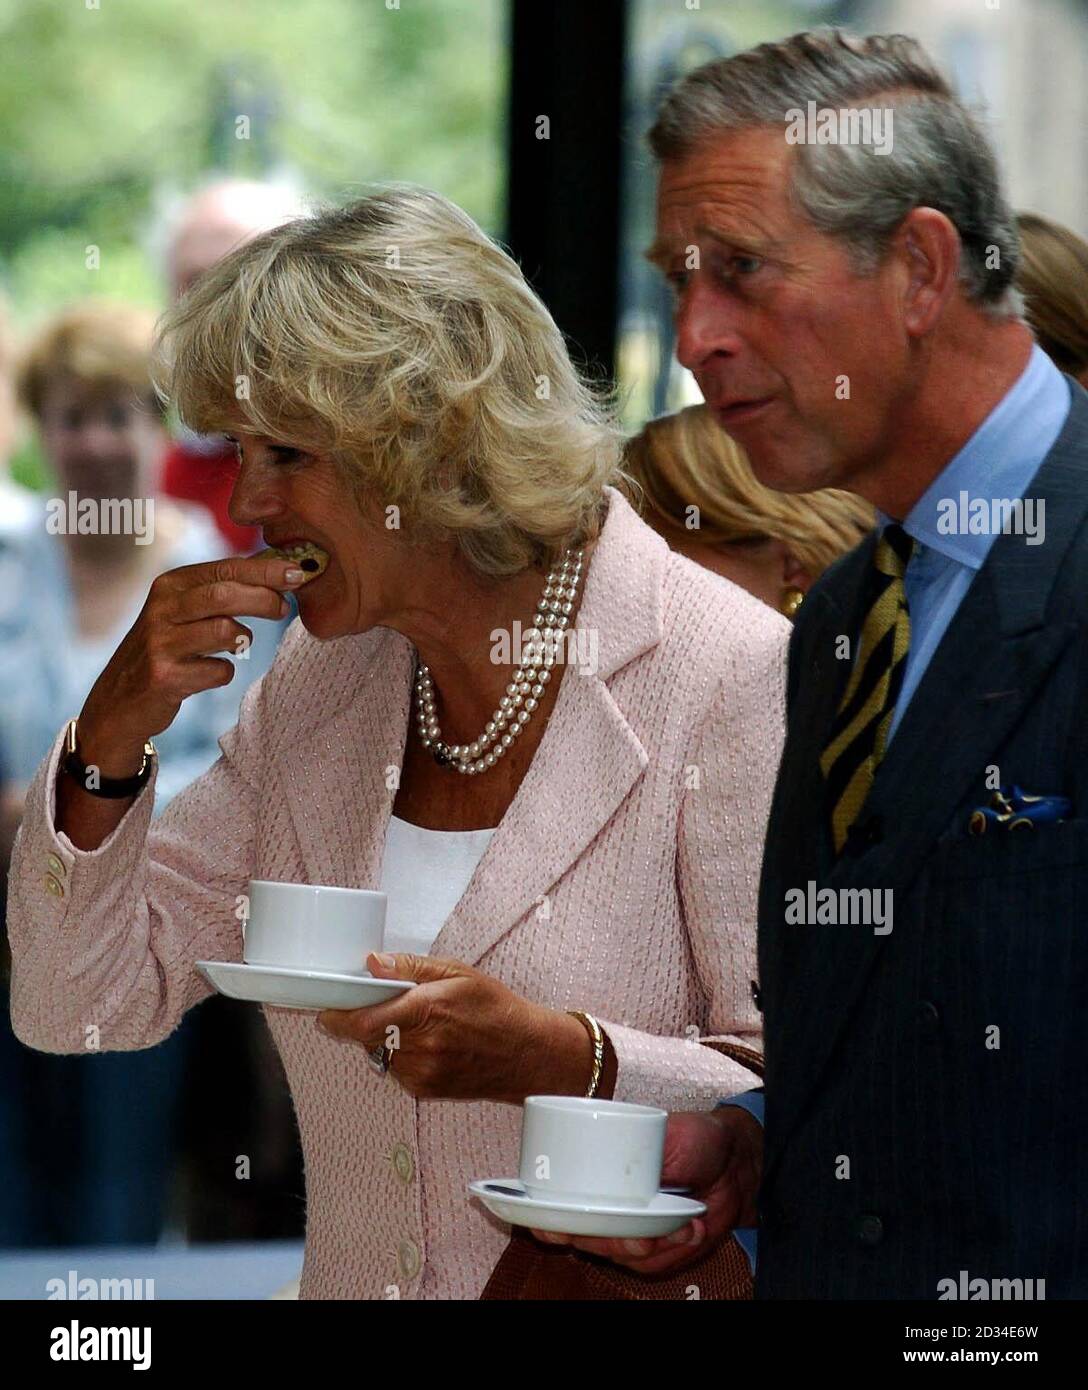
column 622, row 880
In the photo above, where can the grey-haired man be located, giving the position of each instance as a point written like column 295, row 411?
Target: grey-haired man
column 847, row 307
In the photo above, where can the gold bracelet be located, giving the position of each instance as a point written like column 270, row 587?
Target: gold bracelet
column 594, row 1030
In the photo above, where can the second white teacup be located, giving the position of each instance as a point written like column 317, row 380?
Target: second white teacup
column 308, row 926
column 602, row 1152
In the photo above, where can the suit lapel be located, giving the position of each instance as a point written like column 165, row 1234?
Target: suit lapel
column 986, row 671
column 798, row 821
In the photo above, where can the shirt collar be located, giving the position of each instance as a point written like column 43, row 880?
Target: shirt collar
column 998, row 461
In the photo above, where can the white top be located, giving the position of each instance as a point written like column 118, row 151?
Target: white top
column 424, row 873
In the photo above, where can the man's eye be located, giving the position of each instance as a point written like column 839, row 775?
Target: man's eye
column 745, row 265
column 283, row 453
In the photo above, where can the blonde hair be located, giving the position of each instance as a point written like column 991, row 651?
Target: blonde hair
column 399, row 340
column 687, row 460
column 1053, row 275
column 99, row 344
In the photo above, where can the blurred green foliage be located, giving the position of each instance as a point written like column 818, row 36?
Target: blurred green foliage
column 110, row 107
column 111, row 110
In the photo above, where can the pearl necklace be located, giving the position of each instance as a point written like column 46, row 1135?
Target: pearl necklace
column 525, row 689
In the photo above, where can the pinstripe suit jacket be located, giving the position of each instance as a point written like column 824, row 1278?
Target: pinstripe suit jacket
column 927, row 1087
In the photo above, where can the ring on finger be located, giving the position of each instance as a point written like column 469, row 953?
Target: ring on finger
column 380, row 1059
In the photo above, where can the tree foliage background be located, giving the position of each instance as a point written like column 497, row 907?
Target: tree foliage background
column 111, row 108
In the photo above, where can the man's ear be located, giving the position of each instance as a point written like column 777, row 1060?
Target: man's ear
column 930, row 248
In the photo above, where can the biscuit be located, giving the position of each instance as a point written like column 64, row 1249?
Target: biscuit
column 310, row 558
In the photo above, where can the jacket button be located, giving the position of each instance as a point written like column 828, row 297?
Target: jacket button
column 929, row 1017
column 52, row 885
column 870, row 1230
column 402, row 1163
column 408, row 1260
column 56, row 863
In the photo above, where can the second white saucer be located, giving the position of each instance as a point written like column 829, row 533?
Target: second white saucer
column 507, row 1199
column 298, row 989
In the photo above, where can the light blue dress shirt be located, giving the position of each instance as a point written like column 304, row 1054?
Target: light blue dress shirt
column 998, row 462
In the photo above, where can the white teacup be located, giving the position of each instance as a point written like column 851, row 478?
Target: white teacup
column 308, row 926
column 601, row 1152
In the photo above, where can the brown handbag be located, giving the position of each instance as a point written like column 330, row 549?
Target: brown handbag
column 527, row 1269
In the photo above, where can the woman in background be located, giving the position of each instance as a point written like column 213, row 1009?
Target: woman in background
column 89, row 1141
column 1053, row 277
column 694, row 486
column 70, row 595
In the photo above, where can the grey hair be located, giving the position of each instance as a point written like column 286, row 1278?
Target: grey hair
column 940, row 156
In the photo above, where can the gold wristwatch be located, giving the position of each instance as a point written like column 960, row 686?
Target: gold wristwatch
column 114, row 788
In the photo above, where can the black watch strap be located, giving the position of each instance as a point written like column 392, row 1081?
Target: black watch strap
column 93, row 782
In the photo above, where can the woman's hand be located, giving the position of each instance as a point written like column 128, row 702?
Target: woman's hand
column 162, row 659
column 461, row 1035
column 166, row 654
column 719, row 1155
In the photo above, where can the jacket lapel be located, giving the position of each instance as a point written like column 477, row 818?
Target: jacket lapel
column 589, row 758
column 798, row 822
column 585, row 766
column 987, row 670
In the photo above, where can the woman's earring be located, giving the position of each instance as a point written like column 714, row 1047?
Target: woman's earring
column 791, row 601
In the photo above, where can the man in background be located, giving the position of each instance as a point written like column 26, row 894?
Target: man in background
column 216, row 219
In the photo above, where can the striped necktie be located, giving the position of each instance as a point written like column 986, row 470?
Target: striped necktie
column 860, row 731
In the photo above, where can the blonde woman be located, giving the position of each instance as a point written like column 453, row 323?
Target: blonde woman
column 694, row 486
column 586, row 838
column 1053, row 277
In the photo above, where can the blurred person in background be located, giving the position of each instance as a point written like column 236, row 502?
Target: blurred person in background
column 236, row 1096
column 217, row 218
column 695, row 487
column 89, row 1141
column 17, row 511
column 1053, row 278
column 17, row 506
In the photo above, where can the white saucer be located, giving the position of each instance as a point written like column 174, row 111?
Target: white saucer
column 298, row 989
column 661, row 1216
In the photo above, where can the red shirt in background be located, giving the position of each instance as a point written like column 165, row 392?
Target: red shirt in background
column 208, row 478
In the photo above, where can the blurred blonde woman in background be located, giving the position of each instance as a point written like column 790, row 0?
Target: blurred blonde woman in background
column 1053, row 277
column 694, row 486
